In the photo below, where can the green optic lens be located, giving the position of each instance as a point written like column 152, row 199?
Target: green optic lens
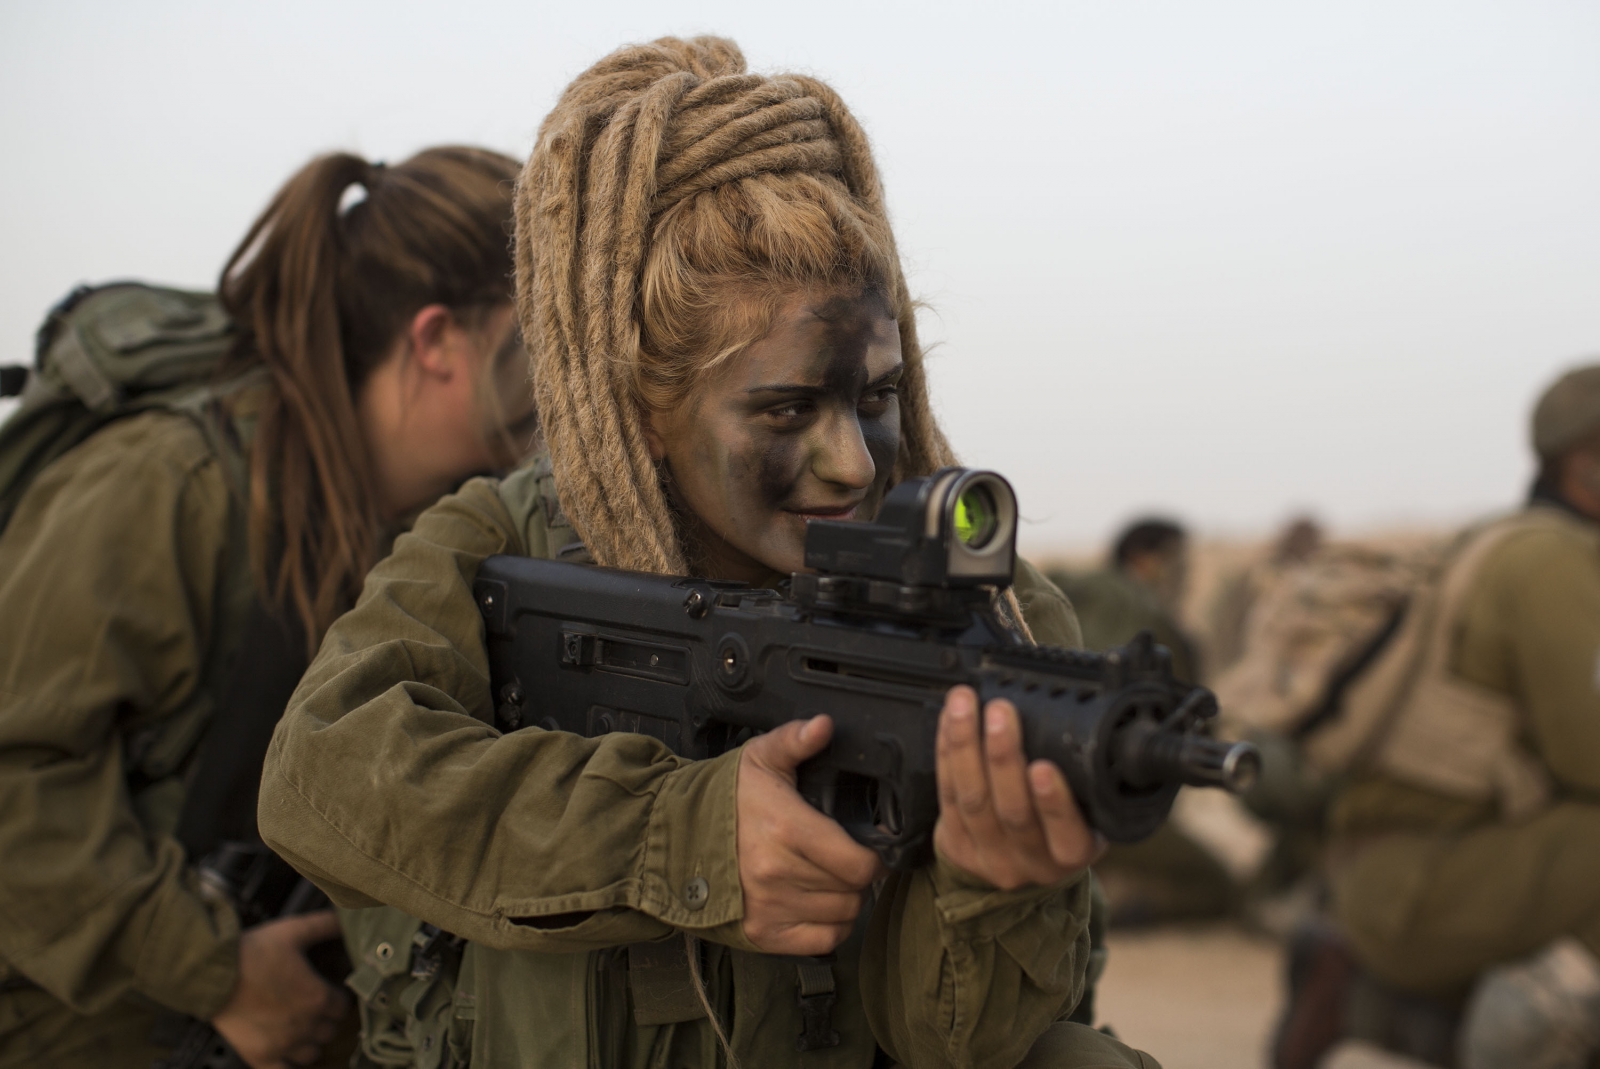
column 975, row 516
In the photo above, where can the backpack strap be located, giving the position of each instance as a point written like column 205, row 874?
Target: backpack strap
column 815, row 988
column 159, row 753
column 220, row 804
column 1416, row 719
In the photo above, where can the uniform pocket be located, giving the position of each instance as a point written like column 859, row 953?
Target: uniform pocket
column 379, row 942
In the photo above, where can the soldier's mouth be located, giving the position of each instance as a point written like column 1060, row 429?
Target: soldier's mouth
column 840, row 512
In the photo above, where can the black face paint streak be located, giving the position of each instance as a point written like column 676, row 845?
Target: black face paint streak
column 805, row 423
column 837, row 376
column 882, row 439
column 853, row 325
column 841, row 363
column 778, row 468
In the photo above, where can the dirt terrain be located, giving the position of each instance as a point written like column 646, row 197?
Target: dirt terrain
column 1205, row 998
column 1195, row 998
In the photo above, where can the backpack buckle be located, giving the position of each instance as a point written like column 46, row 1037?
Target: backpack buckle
column 815, row 990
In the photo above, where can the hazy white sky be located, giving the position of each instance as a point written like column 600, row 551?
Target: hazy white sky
column 1221, row 259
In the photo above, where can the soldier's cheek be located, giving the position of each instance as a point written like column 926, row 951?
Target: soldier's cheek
column 882, row 439
column 779, row 466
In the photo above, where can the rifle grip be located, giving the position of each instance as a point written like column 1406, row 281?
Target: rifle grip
column 845, row 797
column 818, row 783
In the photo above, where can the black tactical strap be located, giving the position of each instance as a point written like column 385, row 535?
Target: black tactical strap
column 815, row 989
column 220, row 805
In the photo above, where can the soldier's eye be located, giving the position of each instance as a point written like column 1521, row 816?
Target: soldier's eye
column 793, row 410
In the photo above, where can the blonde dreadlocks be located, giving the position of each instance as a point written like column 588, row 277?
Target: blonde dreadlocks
column 671, row 201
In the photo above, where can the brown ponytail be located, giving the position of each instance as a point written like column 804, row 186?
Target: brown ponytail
column 320, row 294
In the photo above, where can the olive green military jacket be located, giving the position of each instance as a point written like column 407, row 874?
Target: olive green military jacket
column 386, row 783
column 1113, row 607
column 1529, row 628
column 118, row 573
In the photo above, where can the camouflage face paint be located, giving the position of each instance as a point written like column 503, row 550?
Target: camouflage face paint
column 805, row 423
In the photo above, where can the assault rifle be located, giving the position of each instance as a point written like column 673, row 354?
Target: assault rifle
column 887, row 618
column 261, row 887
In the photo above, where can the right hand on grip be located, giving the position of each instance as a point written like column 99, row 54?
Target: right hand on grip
column 803, row 876
column 282, row 1012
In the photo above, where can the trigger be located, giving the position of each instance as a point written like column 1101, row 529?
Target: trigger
column 819, row 785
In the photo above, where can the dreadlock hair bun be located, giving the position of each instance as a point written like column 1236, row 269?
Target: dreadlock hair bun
column 672, row 201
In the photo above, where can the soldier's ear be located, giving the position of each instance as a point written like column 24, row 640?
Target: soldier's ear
column 435, row 341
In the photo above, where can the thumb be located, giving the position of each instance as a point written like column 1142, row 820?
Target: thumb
column 784, row 748
column 311, row 928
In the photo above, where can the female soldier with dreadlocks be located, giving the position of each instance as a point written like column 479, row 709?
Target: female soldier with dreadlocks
column 723, row 348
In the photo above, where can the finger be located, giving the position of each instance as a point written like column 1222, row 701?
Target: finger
column 304, row 1054
column 809, row 940
column 807, row 851
column 943, row 774
column 311, row 928
column 785, row 747
column 335, row 1003
column 1067, row 835
column 968, row 780
column 1007, row 773
column 840, row 863
column 813, row 908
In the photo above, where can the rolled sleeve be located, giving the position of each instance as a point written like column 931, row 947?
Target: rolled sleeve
column 956, row 972
column 1000, row 968
column 387, row 783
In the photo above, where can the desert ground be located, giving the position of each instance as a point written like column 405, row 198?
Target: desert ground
column 1195, row 998
column 1206, row 998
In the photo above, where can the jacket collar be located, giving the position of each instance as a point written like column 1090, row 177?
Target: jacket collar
column 1544, row 492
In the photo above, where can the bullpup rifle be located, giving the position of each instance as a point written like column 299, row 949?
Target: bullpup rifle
column 888, row 616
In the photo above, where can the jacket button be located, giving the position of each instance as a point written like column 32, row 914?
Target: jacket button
column 696, row 893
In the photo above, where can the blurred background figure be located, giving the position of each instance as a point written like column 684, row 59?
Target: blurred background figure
column 1169, row 876
column 1290, row 628
column 1230, row 606
column 1465, row 745
column 1140, row 589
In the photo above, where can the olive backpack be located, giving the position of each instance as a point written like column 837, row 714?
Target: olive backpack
column 102, row 353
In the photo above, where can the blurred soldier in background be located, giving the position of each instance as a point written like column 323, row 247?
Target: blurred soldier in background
column 1228, row 616
column 1466, row 853
column 1140, row 589
column 1301, row 617
column 1168, row 876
